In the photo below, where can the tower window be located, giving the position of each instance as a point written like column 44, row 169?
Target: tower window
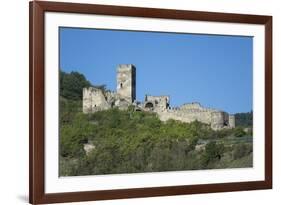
column 121, row 85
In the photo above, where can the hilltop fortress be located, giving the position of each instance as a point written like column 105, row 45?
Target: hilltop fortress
column 95, row 99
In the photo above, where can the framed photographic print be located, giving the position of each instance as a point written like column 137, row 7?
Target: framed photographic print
column 139, row 102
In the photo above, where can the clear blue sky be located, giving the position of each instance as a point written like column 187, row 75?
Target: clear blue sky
column 211, row 69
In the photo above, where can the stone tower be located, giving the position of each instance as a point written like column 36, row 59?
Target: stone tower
column 231, row 121
column 126, row 82
column 218, row 120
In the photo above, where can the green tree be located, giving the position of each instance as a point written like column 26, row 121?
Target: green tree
column 213, row 152
column 72, row 84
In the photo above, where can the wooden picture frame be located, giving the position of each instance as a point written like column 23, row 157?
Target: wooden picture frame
column 37, row 11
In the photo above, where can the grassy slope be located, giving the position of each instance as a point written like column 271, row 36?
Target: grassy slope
column 128, row 141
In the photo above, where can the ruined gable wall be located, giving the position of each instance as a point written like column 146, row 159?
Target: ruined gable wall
column 87, row 100
column 94, row 100
column 160, row 102
column 111, row 97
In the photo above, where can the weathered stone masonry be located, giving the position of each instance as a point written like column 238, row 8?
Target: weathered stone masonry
column 95, row 99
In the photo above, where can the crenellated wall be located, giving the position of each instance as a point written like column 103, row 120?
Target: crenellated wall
column 194, row 111
column 177, row 114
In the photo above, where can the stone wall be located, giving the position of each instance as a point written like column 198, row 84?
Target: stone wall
column 194, row 111
column 160, row 103
column 177, row 114
column 111, row 97
column 94, row 100
column 192, row 106
column 231, row 121
column 219, row 120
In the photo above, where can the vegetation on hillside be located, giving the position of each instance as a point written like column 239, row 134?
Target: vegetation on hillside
column 131, row 141
column 72, row 84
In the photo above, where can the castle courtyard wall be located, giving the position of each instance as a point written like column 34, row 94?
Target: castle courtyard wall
column 180, row 115
column 217, row 119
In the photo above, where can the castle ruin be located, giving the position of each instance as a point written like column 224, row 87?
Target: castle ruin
column 95, row 99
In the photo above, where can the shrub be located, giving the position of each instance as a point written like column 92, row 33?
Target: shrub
column 241, row 150
column 127, row 141
column 213, row 152
column 239, row 132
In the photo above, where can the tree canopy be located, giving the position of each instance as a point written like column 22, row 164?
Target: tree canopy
column 72, row 84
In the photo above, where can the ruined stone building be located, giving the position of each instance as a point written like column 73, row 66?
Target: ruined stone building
column 95, row 99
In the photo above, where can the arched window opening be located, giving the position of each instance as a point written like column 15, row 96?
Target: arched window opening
column 149, row 105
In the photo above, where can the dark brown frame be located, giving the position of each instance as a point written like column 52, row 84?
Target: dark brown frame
column 37, row 95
